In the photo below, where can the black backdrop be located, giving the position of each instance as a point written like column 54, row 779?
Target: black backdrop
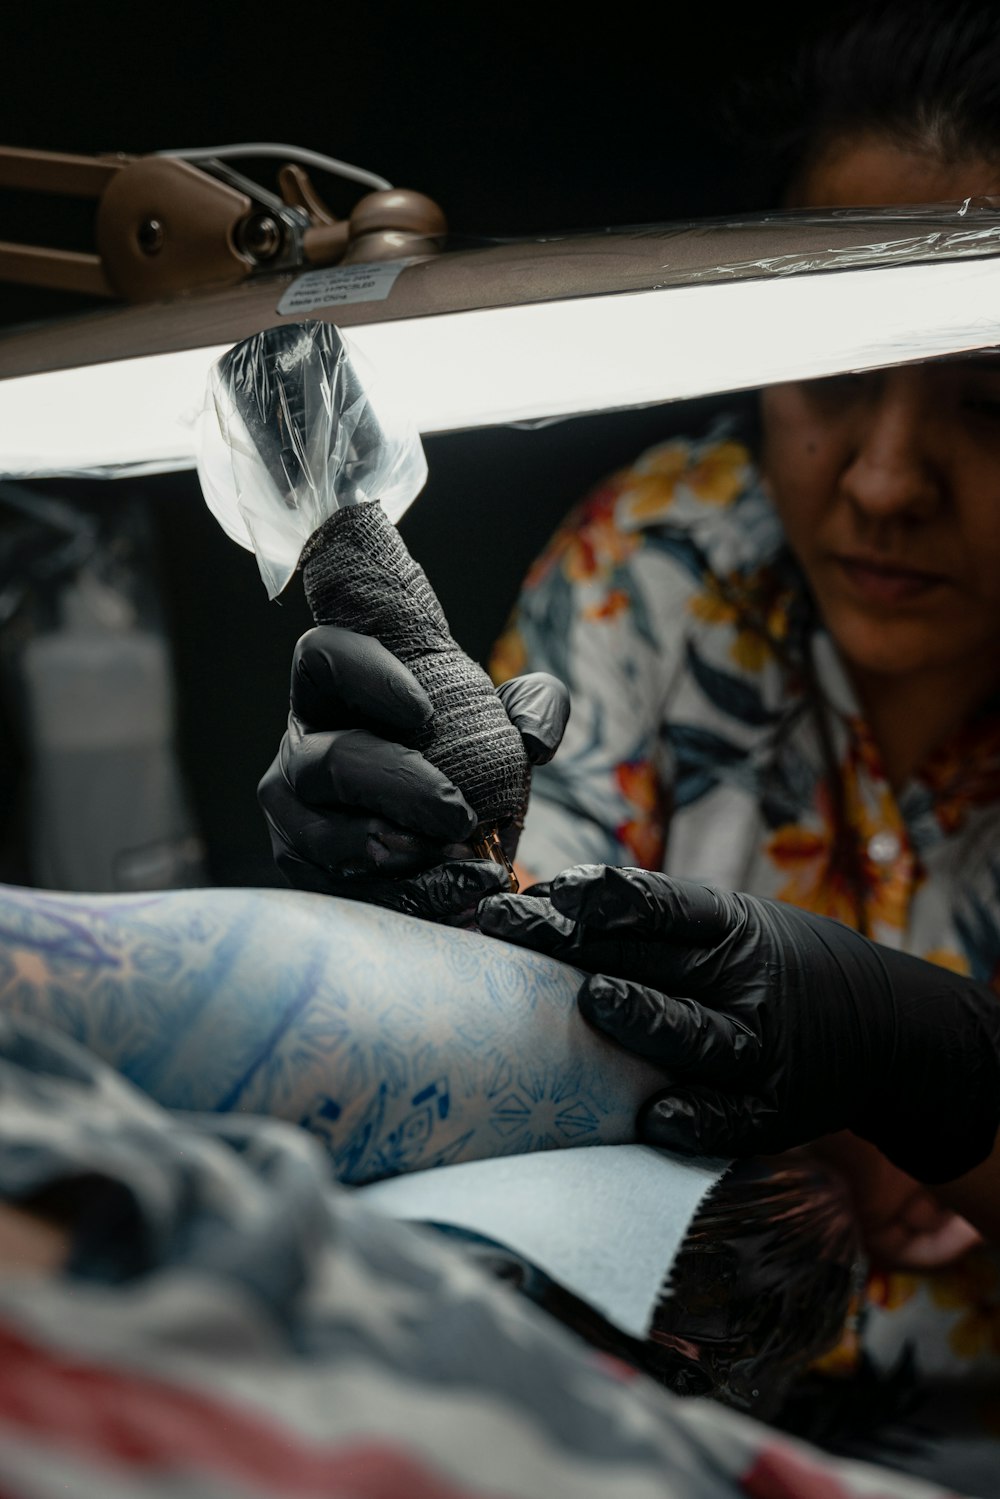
column 516, row 122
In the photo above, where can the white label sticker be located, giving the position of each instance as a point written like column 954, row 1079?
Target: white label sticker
column 338, row 284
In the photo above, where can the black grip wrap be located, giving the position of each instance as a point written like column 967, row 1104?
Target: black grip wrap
column 358, row 574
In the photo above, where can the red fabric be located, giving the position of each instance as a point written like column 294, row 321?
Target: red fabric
column 135, row 1421
column 780, row 1473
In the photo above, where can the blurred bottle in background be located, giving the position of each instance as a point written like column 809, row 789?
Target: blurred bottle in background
column 90, row 678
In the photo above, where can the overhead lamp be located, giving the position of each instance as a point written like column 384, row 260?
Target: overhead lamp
column 521, row 331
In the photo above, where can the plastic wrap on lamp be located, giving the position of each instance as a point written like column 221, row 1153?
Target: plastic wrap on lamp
column 296, row 426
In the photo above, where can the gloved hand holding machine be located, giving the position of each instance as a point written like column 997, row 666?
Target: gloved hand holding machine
column 305, row 461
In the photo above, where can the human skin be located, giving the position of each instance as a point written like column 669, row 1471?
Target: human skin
column 888, row 488
column 904, row 1225
column 976, row 1195
column 400, row 1043
column 29, row 1243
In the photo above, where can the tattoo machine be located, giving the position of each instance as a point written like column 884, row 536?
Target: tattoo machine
column 306, row 460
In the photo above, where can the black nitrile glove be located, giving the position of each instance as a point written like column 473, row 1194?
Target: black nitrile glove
column 352, row 811
column 774, row 1026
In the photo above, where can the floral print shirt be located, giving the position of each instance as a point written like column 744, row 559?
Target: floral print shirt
column 670, row 606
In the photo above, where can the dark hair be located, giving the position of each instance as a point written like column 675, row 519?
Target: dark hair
column 923, row 73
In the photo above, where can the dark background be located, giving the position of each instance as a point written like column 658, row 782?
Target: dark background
column 517, row 122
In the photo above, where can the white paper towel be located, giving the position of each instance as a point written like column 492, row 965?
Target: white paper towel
column 604, row 1221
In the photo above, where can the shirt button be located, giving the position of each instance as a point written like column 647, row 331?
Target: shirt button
column 884, row 847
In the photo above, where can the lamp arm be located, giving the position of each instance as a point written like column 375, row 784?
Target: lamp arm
column 165, row 225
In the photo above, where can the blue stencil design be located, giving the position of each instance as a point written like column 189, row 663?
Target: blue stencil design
column 576, row 1121
column 350, row 1157
column 545, row 1109
column 52, row 933
column 439, row 1092
column 510, row 1114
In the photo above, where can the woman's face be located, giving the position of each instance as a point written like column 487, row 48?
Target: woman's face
column 888, row 482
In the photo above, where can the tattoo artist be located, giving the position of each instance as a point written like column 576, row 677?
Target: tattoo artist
column 774, row 1026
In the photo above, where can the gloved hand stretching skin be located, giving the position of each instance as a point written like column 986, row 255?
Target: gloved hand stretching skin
column 774, row 1027
column 352, row 811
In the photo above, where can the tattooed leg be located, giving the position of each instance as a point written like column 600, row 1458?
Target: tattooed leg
column 402, row 1044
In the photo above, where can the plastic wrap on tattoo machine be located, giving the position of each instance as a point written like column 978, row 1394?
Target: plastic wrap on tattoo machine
column 280, row 453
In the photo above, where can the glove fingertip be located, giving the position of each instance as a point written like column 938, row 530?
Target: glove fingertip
column 573, row 889
column 672, row 1123
column 538, row 705
column 338, row 674
column 457, row 887
column 601, row 1001
column 537, row 750
column 449, row 816
column 498, row 913
column 524, row 920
